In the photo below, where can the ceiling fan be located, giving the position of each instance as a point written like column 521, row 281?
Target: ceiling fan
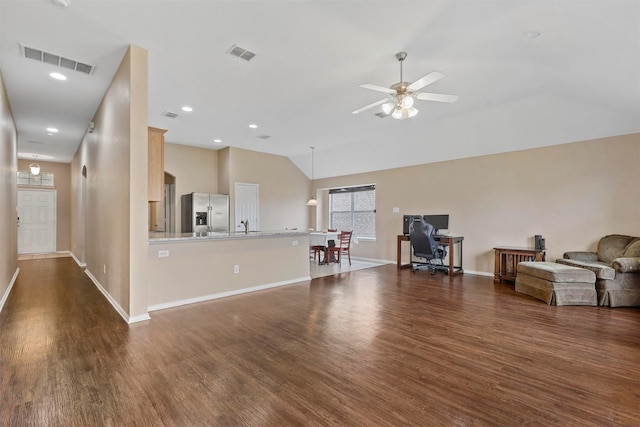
column 404, row 94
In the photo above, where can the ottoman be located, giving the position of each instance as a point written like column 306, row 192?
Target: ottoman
column 557, row 284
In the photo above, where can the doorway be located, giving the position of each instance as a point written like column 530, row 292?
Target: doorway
column 162, row 215
column 37, row 221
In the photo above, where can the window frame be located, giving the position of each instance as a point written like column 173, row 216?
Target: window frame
column 353, row 190
column 33, row 181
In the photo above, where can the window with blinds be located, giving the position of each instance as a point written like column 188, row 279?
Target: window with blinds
column 354, row 208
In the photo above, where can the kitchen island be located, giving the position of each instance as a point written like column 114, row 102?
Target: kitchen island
column 193, row 267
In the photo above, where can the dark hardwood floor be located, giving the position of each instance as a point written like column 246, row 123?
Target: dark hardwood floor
column 374, row 347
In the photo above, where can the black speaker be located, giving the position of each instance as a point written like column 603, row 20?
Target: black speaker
column 407, row 220
column 539, row 242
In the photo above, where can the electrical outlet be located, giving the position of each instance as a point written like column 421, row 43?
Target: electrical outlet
column 236, row 269
column 163, row 254
column 294, row 243
column 396, row 210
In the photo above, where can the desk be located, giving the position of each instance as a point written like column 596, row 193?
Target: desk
column 317, row 238
column 450, row 241
column 507, row 259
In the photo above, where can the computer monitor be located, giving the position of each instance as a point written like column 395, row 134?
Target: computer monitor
column 439, row 222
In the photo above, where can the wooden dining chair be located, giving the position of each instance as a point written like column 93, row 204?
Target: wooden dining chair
column 316, row 250
column 343, row 248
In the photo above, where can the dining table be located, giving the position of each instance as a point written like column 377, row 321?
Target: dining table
column 322, row 238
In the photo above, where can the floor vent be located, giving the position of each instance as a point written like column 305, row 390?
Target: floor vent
column 57, row 60
column 170, row 114
column 241, row 53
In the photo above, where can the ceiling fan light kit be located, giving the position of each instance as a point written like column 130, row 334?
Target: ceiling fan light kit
column 407, row 101
column 404, row 94
column 63, row 3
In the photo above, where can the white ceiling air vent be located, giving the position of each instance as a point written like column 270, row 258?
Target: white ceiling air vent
column 264, row 136
column 241, row 53
column 170, row 114
column 57, row 60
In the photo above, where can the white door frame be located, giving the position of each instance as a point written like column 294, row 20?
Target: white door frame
column 52, row 241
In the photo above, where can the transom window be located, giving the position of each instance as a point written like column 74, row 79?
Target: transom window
column 43, row 179
column 354, row 208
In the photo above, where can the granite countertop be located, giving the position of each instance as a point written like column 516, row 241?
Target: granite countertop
column 161, row 237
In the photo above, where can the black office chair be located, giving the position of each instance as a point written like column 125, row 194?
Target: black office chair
column 425, row 246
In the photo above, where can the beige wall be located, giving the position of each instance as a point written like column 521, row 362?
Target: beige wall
column 195, row 170
column 109, row 208
column 284, row 189
column 62, row 185
column 137, row 185
column 8, row 194
column 571, row 194
column 200, row 269
column 223, row 171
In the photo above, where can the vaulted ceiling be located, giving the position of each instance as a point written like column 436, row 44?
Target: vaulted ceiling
column 527, row 73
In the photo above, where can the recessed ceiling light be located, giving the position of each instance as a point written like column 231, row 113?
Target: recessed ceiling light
column 532, row 34
column 253, row 126
column 217, row 140
column 52, row 130
column 63, row 3
column 58, row 76
column 187, row 109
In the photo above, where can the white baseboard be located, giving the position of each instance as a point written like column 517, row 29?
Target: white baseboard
column 209, row 297
column 478, row 273
column 114, row 303
column 381, row 261
column 82, row 265
column 8, row 291
column 139, row 318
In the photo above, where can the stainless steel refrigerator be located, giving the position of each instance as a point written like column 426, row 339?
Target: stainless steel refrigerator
column 202, row 212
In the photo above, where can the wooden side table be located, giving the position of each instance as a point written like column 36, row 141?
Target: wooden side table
column 507, row 259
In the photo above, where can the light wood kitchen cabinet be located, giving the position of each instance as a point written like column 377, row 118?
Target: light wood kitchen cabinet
column 156, row 164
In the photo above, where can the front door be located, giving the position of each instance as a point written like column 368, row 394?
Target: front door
column 37, row 224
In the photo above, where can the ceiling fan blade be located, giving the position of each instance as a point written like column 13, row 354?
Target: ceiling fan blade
column 433, row 76
column 379, row 88
column 439, row 97
column 366, row 107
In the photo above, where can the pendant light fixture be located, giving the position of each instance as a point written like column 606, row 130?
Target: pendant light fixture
column 312, row 201
column 35, row 168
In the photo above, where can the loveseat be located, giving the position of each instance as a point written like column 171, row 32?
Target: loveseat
column 617, row 268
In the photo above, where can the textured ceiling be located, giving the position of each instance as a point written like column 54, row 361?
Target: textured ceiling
column 580, row 79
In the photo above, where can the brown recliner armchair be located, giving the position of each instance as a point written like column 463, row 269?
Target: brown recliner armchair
column 617, row 268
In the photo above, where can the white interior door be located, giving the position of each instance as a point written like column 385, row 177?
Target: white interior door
column 37, row 225
column 247, row 206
